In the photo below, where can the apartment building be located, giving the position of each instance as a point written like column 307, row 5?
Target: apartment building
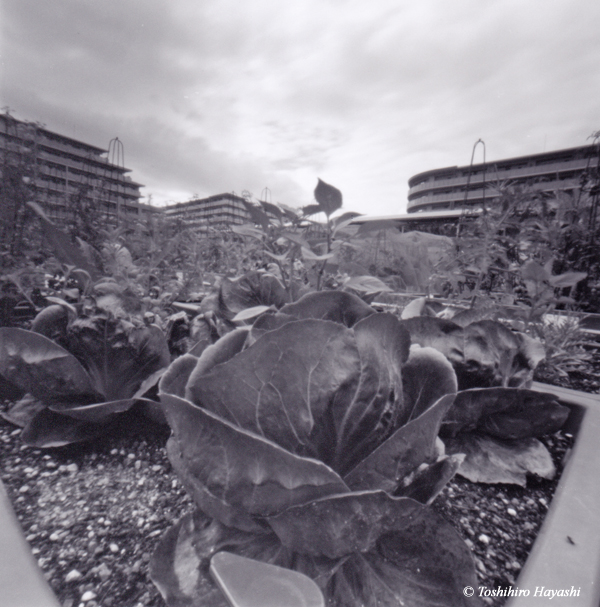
column 63, row 173
column 469, row 186
column 218, row 211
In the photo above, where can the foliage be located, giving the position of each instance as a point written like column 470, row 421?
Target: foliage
column 104, row 366
column 302, row 253
column 302, row 446
column 527, row 249
column 495, row 421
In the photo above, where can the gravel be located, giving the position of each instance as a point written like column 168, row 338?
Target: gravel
column 93, row 513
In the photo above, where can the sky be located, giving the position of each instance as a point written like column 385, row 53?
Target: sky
column 213, row 96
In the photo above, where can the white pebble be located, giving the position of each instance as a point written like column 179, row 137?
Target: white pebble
column 512, row 511
column 113, row 548
column 88, row 596
column 54, row 537
column 73, row 576
column 72, row 468
column 484, row 538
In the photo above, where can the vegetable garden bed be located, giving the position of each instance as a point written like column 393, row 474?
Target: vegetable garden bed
column 90, row 540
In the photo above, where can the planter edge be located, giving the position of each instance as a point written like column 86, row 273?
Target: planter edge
column 21, row 580
column 566, row 553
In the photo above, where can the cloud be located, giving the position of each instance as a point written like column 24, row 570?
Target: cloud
column 224, row 96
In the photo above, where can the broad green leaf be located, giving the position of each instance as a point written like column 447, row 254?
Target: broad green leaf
column 339, row 525
column 51, row 321
column 568, row 279
column 492, row 460
column 64, row 250
column 117, row 356
column 344, row 220
column 312, row 209
column 426, row 377
column 49, row 429
column 250, row 313
column 221, row 351
column 364, row 419
column 180, row 564
column 282, row 386
column 328, row 197
column 273, row 209
column 443, row 335
column 338, row 306
column 505, row 413
column 227, row 466
column 400, row 454
column 41, row 367
column 366, row 284
column 176, row 377
column 267, row 322
column 425, row 565
column 250, row 290
column 257, row 214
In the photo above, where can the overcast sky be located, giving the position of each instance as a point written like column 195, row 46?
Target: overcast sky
column 212, row 96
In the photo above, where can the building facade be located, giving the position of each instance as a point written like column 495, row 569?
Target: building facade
column 62, row 173
column 218, row 211
column 470, row 186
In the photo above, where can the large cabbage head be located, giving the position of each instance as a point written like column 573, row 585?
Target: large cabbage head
column 302, row 446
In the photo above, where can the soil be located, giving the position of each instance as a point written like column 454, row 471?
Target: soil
column 93, row 513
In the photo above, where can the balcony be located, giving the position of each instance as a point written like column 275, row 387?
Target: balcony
column 494, row 174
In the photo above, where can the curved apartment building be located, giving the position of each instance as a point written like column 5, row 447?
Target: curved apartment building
column 471, row 185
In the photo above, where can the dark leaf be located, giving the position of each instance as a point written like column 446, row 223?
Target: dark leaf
column 505, row 413
column 250, row 290
column 282, row 386
column 41, row 367
column 51, row 321
column 180, row 564
column 176, row 377
column 443, row 335
column 328, row 197
column 410, row 446
column 229, row 468
column 426, row 377
column 338, row 306
column 425, row 565
column 376, row 409
column 339, row 525
column 65, row 251
column 118, row 356
column 258, row 216
column 492, row 460
column 50, row 429
column 312, row 209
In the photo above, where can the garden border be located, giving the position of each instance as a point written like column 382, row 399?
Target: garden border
column 566, row 552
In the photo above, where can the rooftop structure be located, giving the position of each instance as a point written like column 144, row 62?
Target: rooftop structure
column 64, row 173
column 469, row 186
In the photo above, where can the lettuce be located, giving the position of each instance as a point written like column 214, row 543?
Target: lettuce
column 106, row 366
column 301, row 447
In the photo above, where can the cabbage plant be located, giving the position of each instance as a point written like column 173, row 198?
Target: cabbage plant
column 107, row 364
column 495, row 421
column 302, row 446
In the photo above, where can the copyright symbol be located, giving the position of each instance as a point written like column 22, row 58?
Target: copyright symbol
column 468, row 591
